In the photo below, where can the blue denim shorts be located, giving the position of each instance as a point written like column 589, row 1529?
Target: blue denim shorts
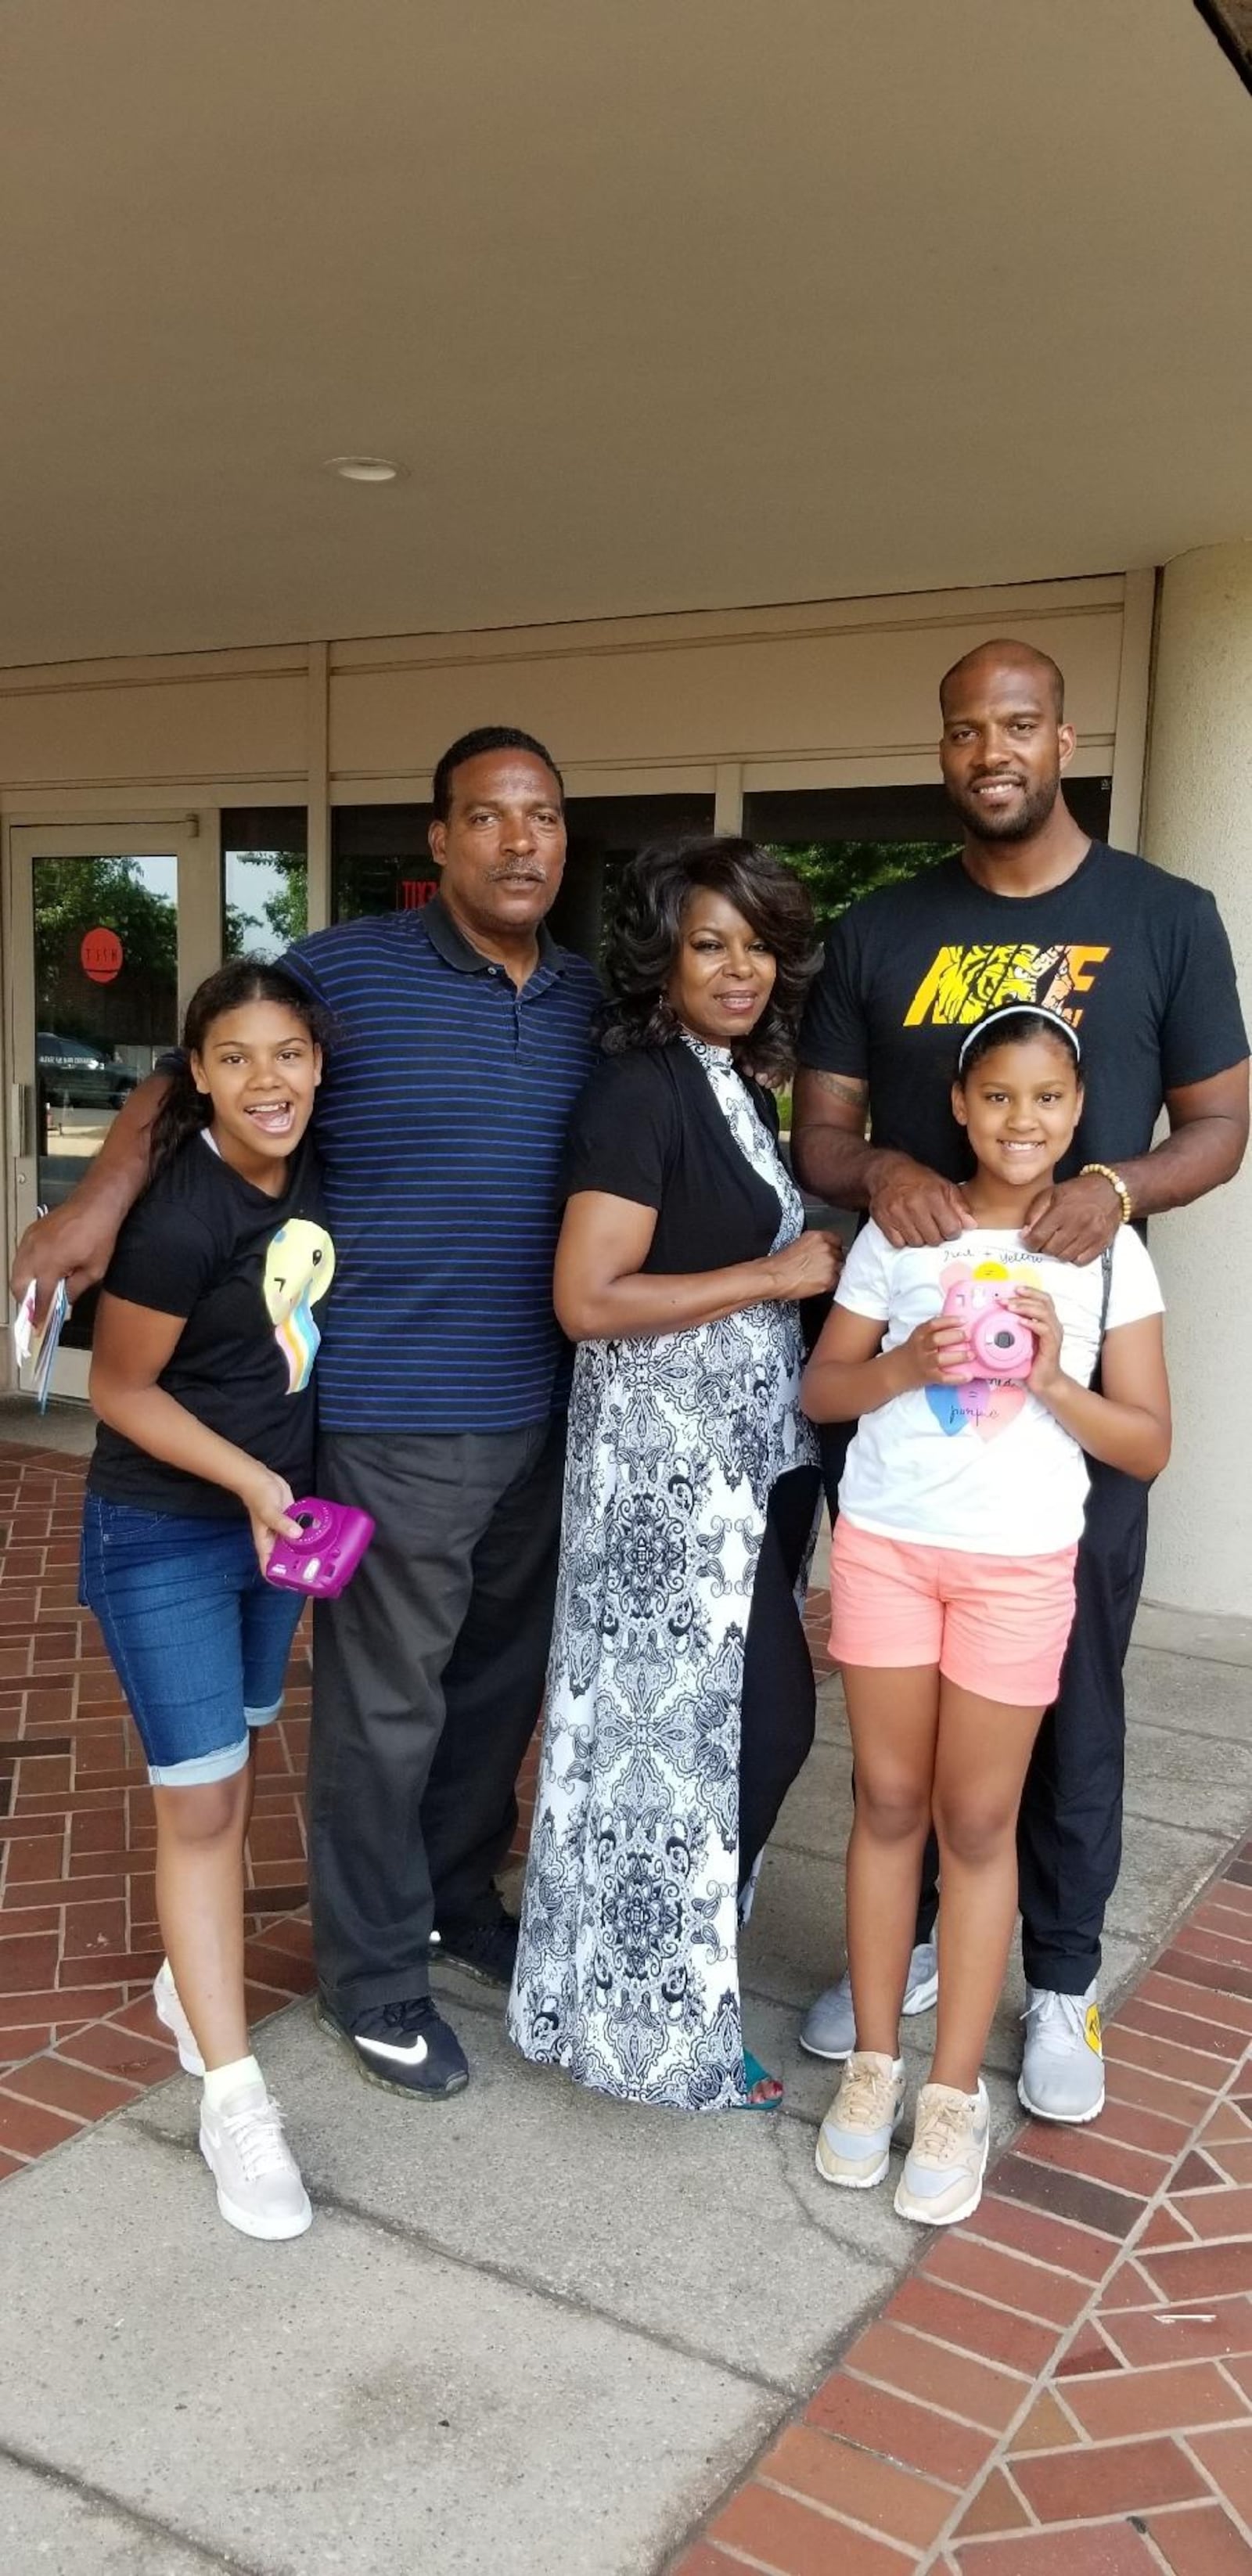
column 198, row 1639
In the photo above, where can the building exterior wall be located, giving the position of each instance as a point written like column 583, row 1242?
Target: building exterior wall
column 835, row 695
column 1199, row 810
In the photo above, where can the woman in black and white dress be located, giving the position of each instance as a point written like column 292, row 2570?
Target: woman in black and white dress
column 680, row 1699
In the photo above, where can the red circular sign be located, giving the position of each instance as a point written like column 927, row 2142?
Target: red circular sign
column 101, row 953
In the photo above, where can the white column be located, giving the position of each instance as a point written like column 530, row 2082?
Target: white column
column 1199, row 824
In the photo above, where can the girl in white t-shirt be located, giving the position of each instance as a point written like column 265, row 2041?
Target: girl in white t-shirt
column 952, row 1574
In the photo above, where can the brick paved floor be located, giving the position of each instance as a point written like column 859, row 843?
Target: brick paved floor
column 1063, row 2388
column 79, row 1943
column 78, row 1935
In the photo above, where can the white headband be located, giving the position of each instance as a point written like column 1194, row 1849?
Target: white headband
column 1010, row 1010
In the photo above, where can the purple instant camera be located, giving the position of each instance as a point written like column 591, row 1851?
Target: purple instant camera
column 325, row 1557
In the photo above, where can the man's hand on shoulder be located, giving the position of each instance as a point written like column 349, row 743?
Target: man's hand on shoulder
column 1074, row 1220
column 837, row 1161
column 912, row 1205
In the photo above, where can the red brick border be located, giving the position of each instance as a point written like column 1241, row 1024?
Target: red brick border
column 1064, row 2386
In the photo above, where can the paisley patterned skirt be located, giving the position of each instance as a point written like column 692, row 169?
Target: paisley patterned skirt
column 626, row 1968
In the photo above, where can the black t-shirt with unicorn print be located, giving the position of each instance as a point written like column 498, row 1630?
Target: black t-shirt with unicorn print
column 249, row 1273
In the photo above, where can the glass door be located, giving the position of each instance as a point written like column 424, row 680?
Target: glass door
column 98, row 965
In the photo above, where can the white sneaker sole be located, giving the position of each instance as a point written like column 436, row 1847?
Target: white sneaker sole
column 269, row 2231
column 921, row 2214
column 919, row 2000
column 189, row 2057
column 1059, row 2119
column 860, row 2182
column 850, row 2181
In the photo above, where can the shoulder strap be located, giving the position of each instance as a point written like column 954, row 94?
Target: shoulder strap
column 1106, row 1275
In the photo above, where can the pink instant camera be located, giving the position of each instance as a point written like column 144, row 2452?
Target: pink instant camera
column 326, row 1556
column 1000, row 1343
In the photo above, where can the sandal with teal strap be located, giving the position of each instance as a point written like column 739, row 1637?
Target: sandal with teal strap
column 754, row 2075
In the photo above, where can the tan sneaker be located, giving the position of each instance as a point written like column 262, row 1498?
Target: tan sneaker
column 944, row 2167
column 854, row 2141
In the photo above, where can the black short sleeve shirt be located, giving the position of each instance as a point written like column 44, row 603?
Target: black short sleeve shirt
column 648, row 1128
column 1137, row 959
column 249, row 1273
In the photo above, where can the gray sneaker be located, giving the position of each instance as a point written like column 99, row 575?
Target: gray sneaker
column 1062, row 2075
column 830, row 2027
column 259, row 2189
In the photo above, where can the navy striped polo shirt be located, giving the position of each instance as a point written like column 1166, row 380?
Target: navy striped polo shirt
column 440, row 1124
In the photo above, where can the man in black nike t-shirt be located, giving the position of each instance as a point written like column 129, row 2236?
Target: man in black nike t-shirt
column 1031, row 911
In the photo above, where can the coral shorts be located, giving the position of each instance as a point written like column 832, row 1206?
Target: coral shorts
column 998, row 1625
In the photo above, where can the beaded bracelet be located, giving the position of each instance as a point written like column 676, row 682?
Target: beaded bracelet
column 1115, row 1182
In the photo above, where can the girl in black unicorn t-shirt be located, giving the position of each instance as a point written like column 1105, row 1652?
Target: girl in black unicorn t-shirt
column 202, row 1378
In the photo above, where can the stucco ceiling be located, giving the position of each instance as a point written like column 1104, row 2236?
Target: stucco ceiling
column 665, row 305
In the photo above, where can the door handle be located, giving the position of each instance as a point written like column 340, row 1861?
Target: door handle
column 24, row 1119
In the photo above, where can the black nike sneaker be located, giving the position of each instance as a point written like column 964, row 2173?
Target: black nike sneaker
column 485, row 1950
column 406, row 2048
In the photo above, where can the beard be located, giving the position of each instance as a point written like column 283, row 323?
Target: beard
column 1019, row 822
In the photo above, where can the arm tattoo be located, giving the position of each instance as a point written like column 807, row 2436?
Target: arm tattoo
column 841, row 1087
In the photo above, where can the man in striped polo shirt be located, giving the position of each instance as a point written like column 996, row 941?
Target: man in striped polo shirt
column 463, row 1037
column 466, row 1038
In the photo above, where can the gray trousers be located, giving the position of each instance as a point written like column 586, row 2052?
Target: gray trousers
column 428, row 1675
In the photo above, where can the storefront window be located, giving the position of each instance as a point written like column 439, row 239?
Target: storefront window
column 846, row 841
column 265, row 879
column 380, row 860
column 604, row 832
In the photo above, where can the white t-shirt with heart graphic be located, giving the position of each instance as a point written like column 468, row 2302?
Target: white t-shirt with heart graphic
column 981, row 1466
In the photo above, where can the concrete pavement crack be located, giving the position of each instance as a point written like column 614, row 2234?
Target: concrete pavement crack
column 1217, row 1663
column 508, row 2275
column 109, row 2501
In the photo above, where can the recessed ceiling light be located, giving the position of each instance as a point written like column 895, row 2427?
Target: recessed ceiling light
column 364, row 469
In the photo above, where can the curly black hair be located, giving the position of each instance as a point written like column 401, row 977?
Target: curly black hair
column 643, row 944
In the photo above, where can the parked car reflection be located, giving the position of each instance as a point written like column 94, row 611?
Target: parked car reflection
column 79, row 1076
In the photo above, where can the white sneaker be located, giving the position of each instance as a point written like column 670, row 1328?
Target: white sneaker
column 829, row 2029
column 854, row 2141
column 169, row 2010
column 258, row 2180
column 944, row 2167
column 1062, row 2075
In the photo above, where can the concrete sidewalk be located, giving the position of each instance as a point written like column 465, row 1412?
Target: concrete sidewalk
column 529, row 2330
